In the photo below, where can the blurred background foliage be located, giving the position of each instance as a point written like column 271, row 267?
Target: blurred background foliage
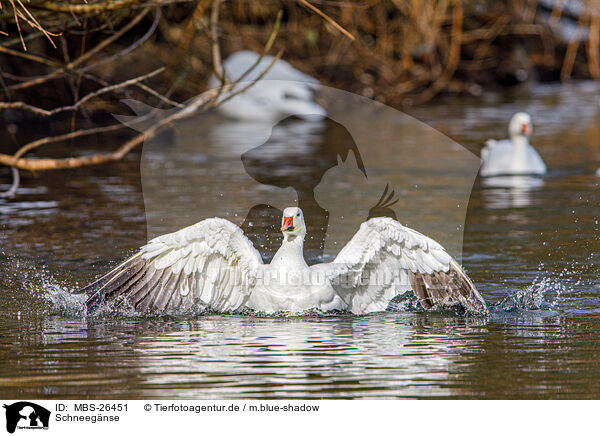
column 65, row 65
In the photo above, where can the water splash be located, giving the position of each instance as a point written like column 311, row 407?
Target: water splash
column 530, row 298
column 55, row 298
column 408, row 302
column 63, row 302
column 548, row 291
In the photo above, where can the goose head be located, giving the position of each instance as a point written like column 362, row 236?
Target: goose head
column 520, row 125
column 292, row 223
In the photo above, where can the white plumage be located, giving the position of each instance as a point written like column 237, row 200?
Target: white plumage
column 282, row 91
column 514, row 155
column 212, row 263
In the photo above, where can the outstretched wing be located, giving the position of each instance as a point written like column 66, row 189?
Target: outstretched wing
column 385, row 259
column 211, row 262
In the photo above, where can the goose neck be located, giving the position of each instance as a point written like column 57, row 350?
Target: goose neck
column 291, row 252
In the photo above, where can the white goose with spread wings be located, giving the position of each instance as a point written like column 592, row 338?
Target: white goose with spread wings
column 212, row 263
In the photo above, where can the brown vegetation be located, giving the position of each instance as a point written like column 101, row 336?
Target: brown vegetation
column 70, row 63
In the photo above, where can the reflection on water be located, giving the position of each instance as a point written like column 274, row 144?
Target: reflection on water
column 378, row 356
column 510, row 191
column 530, row 246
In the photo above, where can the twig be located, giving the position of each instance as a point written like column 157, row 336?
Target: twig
column 29, row 57
column 82, row 101
column 65, row 137
column 128, row 49
column 190, row 28
column 203, row 102
column 33, row 23
column 453, row 56
column 10, row 193
column 159, row 96
column 75, row 63
column 218, row 68
column 245, row 88
column 572, row 47
column 196, row 104
column 592, row 47
column 91, row 8
column 490, row 35
column 327, row 18
column 267, row 47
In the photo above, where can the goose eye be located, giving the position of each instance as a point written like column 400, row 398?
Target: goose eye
column 298, row 214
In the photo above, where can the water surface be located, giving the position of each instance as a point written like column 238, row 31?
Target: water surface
column 530, row 246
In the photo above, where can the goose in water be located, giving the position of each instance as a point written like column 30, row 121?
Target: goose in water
column 213, row 264
column 281, row 92
column 514, row 155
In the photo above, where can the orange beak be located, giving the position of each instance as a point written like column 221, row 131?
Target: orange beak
column 525, row 129
column 288, row 223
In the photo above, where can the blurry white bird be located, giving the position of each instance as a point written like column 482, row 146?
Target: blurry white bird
column 212, row 263
column 281, row 92
column 514, row 155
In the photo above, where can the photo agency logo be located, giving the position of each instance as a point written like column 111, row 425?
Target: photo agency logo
column 342, row 162
column 24, row 415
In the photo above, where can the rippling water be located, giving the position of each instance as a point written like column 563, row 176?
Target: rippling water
column 531, row 248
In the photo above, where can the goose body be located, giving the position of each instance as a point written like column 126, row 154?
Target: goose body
column 513, row 156
column 281, row 92
column 213, row 264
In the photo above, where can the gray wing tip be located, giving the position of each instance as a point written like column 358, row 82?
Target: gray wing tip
column 112, row 284
column 446, row 289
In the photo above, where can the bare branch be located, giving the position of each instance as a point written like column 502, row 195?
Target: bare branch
column 63, row 69
column 327, row 18
column 128, row 49
column 218, row 68
column 245, row 88
column 76, row 106
column 267, row 48
column 92, row 8
column 195, row 105
column 453, row 55
column 10, row 193
column 65, row 137
column 29, row 57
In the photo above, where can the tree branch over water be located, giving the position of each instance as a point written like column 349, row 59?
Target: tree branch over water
column 205, row 101
column 71, row 63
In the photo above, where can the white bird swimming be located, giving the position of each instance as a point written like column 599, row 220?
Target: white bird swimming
column 281, row 92
column 213, row 264
column 514, row 155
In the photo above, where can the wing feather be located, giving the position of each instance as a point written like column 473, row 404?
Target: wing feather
column 211, row 262
column 385, row 259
